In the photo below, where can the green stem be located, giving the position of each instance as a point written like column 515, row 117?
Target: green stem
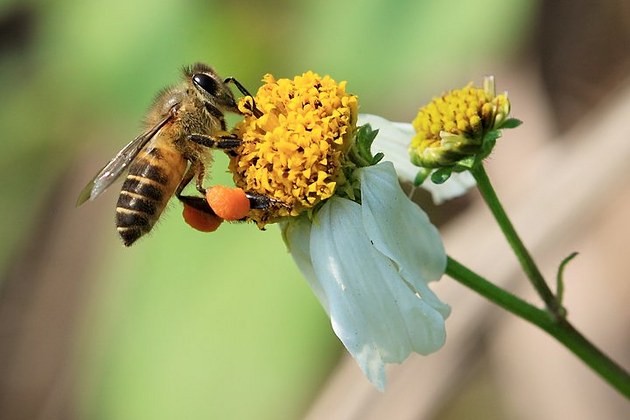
column 557, row 327
column 524, row 258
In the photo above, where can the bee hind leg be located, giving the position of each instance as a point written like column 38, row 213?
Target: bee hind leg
column 197, row 170
column 256, row 202
column 259, row 201
column 198, row 203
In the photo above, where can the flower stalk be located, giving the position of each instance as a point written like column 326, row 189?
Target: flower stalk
column 525, row 259
column 558, row 327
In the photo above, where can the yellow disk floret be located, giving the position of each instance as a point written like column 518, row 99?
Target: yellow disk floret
column 293, row 153
column 452, row 127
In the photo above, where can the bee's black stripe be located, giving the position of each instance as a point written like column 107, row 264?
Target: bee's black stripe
column 137, row 202
column 145, row 189
column 152, row 172
column 132, row 218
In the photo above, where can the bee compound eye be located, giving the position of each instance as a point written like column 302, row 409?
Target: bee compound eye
column 206, row 83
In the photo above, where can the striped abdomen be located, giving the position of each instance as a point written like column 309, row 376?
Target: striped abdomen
column 153, row 178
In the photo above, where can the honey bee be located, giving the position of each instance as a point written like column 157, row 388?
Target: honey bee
column 183, row 124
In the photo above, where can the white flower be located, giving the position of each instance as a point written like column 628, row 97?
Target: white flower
column 393, row 140
column 369, row 265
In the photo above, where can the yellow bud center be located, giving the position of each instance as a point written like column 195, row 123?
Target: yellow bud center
column 452, row 127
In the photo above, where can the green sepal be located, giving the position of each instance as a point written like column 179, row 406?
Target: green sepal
column 421, row 176
column 377, row 158
column 362, row 148
column 491, row 137
column 466, row 163
column 510, row 123
column 441, row 175
column 489, row 140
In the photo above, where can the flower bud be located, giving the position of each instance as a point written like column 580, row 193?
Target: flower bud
column 457, row 125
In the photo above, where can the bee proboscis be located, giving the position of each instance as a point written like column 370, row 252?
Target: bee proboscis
column 183, row 124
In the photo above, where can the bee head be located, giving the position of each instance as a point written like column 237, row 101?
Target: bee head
column 210, row 87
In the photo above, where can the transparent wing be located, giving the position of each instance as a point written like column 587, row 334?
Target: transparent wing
column 112, row 171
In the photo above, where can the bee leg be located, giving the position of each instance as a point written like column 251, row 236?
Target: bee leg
column 238, row 85
column 227, row 142
column 259, row 201
column 188, row 176
column 198, row 203
column 257, row 113
column 196, row 170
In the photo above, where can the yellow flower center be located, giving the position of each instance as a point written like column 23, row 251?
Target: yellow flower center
column 453, row 126
column 293, row 152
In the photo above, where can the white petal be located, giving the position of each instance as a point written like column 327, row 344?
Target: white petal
column 402, row 231
column 393, row 140
column 297, row 235
column 373, row 311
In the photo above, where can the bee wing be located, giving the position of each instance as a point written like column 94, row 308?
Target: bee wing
column 112, row 171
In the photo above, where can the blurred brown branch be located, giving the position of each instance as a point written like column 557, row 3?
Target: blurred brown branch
column 40, row 300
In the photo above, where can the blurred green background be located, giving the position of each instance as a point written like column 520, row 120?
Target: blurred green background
column 184, row 324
